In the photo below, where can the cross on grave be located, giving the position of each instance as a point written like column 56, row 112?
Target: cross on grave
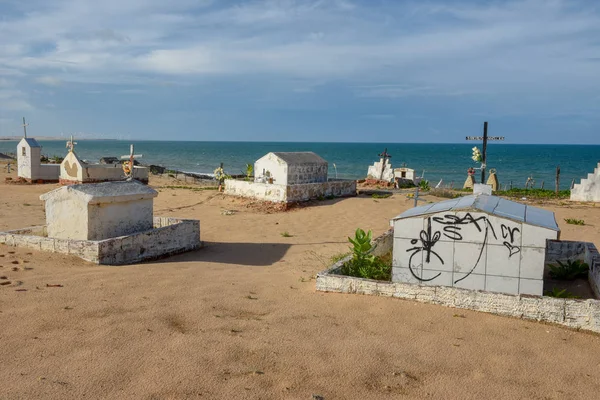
column 485, row 139
column 25, row 128
column 131, row 157
column 384, row 157
column 71, row 144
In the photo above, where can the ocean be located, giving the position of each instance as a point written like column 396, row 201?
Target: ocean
column 513, row 162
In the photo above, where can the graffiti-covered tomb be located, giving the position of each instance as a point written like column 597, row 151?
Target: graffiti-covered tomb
column 478, row 242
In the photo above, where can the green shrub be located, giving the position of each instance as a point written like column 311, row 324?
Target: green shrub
column 563, row 294
column 534, row 193
column 424, row 185
column 286, row 234
column 381, row 196
column 574, row 221
column 446, row 193
column 364, row 264
column 569, row 271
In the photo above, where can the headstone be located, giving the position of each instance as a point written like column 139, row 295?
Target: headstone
column 381, row 170
column 480, row 188
column 493, row 180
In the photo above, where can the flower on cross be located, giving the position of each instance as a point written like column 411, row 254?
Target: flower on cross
column 477, row 157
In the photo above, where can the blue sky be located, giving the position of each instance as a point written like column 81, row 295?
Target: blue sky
column 312, row 70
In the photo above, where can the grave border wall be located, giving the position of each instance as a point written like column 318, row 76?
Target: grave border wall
column 169, row 236
column 572, row 313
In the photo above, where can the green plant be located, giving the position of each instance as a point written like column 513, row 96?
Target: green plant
column 569, row 271
column 249, row 171
column 424, row 185
column 381, row 196
column 533, row 193
column 563, row 294
column 574, row 221
column 445, row 193
column 337, row 257
column 364, row 264
column 286, row 234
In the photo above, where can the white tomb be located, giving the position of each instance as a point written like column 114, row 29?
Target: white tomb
column 291, row 168
column 73, row 170
column 381, row 170
column 99, row 211
column 288, row 177
column 589, row 188
column 29, row 165
column 477, row 242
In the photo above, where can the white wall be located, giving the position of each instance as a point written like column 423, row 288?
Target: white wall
column 271, row 163
column 472, row 251
column 28, row 164
column 589, row 188
column 109, row 220
column 67, row 217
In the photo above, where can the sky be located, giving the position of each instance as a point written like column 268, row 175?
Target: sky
column 310, row 70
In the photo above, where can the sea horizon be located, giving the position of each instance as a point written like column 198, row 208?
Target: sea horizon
column 350, row 160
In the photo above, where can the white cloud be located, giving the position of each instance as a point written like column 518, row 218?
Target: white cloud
column 49, row 80
column 433, row 48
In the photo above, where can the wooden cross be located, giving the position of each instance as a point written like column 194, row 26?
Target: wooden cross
column 25, row 127
column 384, row 156
column 131, row 157
column 71, row 144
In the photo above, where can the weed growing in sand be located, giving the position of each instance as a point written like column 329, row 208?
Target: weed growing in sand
column 573, row 221
column 26, row 204
column 337, row 257
column 364, row 264
column 562, row 294
column 381, row 196
column 569, row 271
column 192, row 188
column 286, row 234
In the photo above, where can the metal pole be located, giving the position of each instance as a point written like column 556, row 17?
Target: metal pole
column 484, row 151
column 557, row 179
column 416, row 196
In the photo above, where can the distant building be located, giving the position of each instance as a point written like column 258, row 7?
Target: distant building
column 29, row 165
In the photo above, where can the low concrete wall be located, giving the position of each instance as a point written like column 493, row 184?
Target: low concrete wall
column 255, row 190
column 311, row 191
column 292, row 193
column 563, row 250
column 49, row 172
column 573, row 313
column 169, row 236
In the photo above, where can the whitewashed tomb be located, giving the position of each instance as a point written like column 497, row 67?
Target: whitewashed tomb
column 477, row 242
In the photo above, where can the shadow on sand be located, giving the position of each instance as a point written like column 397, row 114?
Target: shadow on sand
column 252, row 254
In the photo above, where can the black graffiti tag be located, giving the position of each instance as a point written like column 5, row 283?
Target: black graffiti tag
column 428, row 240
column 508, row 234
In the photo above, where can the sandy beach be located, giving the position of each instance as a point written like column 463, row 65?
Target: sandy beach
column 240, row 318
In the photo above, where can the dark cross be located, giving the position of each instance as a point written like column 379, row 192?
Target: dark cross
column 384, row 156
column 485, row 139
column 484, row 151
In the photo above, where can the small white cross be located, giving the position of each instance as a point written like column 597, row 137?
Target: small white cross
column 131, row 157
column 25, row 127
column 71, row 144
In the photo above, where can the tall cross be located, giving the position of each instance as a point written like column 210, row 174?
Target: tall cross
column 131, row 157
column 384, row 156
column 485, row 139
column 25, row 127
column 71, row 144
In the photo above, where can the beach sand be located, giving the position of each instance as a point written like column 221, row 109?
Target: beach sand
column 240, row 318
